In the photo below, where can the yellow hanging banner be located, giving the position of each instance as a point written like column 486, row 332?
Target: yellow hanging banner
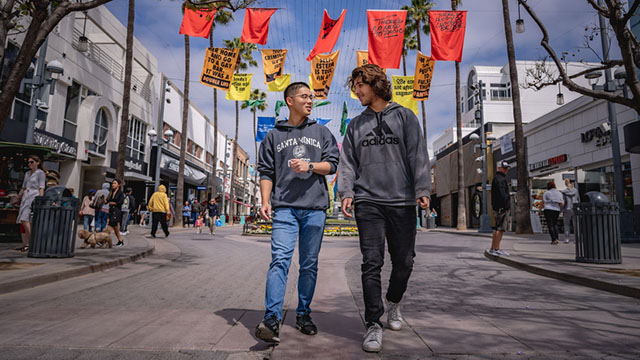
column 272, row 62
column 403, row 92
column 424, row 73
column 240, row 89
column 280, row 84
column 218, row 67
column 322, row 68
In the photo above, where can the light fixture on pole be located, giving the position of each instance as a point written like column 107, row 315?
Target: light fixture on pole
column 519, row 22
column 83, row 41
column 158, row 142
column 485, row 218
column 560, row 96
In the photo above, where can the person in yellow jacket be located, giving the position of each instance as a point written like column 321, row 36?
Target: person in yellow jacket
column 160, row 210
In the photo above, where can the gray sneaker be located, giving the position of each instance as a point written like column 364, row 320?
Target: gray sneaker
column 502, row 252
column 394, row 317
column 494, row 252
column 373, row 339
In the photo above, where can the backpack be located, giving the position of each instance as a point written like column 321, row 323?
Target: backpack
column 98, row 202
column 125, row 203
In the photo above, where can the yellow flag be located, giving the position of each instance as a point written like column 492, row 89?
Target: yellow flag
column 280, row 84
column 240, row 87
column 403, row 92
column 424, row 72
column 322, row 68
column 272, row 62
column 218, row 67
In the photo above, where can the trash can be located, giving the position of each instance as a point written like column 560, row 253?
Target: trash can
column 597, row 230
column 54, row 224
column 431, row 222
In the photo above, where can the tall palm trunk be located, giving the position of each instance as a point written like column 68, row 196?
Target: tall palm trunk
column 214, row 178
column 126, row 94
column 523, row 220
column 232, row 190
column 183, row 134
column 462, row 216
column 255, row 161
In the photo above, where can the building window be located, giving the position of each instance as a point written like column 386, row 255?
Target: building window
column 471, row 81
column 500, row 92
column 76, row 93
column 100, row 131
column 136, row 138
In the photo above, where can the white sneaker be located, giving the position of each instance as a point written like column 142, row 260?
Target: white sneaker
column 394, row 317
column 373, row 339
column 567, row 240
column 494, row 252
column 502, row 252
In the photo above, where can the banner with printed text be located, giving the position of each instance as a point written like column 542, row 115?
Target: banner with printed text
column 422, row 82
column 328, row 36
column 272, row 63
column 265, row 123
column 447, row 34
column 322, row 69
column 218, row 67
column 280, row 84
column 403, row 92
column 240, row 89
column 386, row 37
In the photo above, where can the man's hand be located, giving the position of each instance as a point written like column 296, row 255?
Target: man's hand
column 265, row 212
column 299, row 165
column 424, row 202
column 346, row 207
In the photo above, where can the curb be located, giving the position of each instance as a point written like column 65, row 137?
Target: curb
column 476, row 234
column 71, row 273
column 574, row 279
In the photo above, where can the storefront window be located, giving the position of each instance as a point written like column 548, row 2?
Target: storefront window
column 76, row 93
column 136, row 138
column 602, row 180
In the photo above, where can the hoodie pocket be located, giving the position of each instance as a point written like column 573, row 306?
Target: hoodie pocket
column 385, row 181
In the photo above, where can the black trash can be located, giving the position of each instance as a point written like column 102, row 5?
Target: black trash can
column 54, row 224
column 597, row 230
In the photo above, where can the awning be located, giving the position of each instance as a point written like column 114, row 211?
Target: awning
column 131, row 175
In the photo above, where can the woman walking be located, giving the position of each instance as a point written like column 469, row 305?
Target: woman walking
column 553, row 202
column 32, row 186
column 115, row 200
column 86, row 211
column 186, row 214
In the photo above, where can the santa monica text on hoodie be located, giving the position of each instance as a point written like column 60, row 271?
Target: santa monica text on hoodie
column 310, row 142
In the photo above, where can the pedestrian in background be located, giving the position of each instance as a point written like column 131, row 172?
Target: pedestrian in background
column 553, row 202
column 159, row 207
column 384, row 171
column 128, row 206
column 293, row 160
column 570, row 197
column 186, row 214
column 142, row 212
column 213, row 216
column 114, row 201
column 86, row 211
column 199, row 224
column 33, row 185
column 101, row 207
column 501, row 203
column 195, row 210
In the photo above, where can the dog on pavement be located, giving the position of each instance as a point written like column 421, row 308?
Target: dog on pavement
column 102, row 239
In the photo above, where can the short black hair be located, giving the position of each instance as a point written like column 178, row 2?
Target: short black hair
column 293, row 88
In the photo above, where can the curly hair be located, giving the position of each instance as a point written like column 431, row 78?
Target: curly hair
column 373, row 76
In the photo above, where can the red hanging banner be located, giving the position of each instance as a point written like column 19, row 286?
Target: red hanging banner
column 447, row 34
column 328, row 35
column 256, row 25
column 197, row 22
column 386, row 36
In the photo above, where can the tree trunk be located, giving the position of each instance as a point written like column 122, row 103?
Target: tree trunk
column 232, row 190
column 183, row 135
column 214, row 183
column 7, row 24
column 404, row 64
column 126, row 94
column 523, row 219
column 462, row 215
column 255, row 160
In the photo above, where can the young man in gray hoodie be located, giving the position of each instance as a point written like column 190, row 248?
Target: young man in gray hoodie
column 384, row 170
column 293, row 159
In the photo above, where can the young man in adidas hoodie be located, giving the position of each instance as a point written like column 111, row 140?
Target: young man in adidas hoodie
column 293, row 159
column 384, row 171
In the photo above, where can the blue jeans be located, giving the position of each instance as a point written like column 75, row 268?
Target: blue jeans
column 87, row 219
column 288, row 223
column 101, row 220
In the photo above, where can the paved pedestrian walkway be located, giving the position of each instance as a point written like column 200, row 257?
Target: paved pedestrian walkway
column 535, row 253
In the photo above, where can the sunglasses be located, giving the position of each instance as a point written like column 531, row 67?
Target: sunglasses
column 31, row 162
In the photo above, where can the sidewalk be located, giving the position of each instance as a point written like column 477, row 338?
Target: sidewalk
column 535, row 254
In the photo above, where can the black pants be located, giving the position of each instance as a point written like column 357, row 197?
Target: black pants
column 162, row 219
column 552, row 223
column 398, row 225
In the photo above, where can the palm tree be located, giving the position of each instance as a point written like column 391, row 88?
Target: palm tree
column 245, row 59
column 257, row 101
column 183, row 133
column 417, row 13
column 523, row 221
column 462, row 217
column 126, row 94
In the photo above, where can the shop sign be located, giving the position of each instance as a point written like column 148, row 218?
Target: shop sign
column 602, row 134
column 55, row 142
column 130, row 163
column 549, row 162
column 201, row 188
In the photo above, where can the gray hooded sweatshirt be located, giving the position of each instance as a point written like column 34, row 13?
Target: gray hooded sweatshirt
column 384, row 158
column 571, row 197
column 309, row 141
column 104, row 191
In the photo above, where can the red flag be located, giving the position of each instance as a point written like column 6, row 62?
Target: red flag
column 328, row 35
column 447, row 34
column 256, row 25
column 197, row 22
column 386, row 36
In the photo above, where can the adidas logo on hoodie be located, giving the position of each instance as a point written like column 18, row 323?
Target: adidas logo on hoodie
column 380, row 135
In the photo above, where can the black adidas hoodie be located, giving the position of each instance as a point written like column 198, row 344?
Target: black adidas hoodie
column 384, row 158
column 308, row 141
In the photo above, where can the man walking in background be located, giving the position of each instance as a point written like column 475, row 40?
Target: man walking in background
column 501, row 204
column 160, row 210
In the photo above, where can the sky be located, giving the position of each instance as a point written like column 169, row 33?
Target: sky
column 295, row 26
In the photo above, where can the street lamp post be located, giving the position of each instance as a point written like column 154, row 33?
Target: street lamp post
column 158, row 142
column 485, row 219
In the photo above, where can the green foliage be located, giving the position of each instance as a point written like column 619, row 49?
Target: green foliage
column 257, row 101
column 245, row 58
